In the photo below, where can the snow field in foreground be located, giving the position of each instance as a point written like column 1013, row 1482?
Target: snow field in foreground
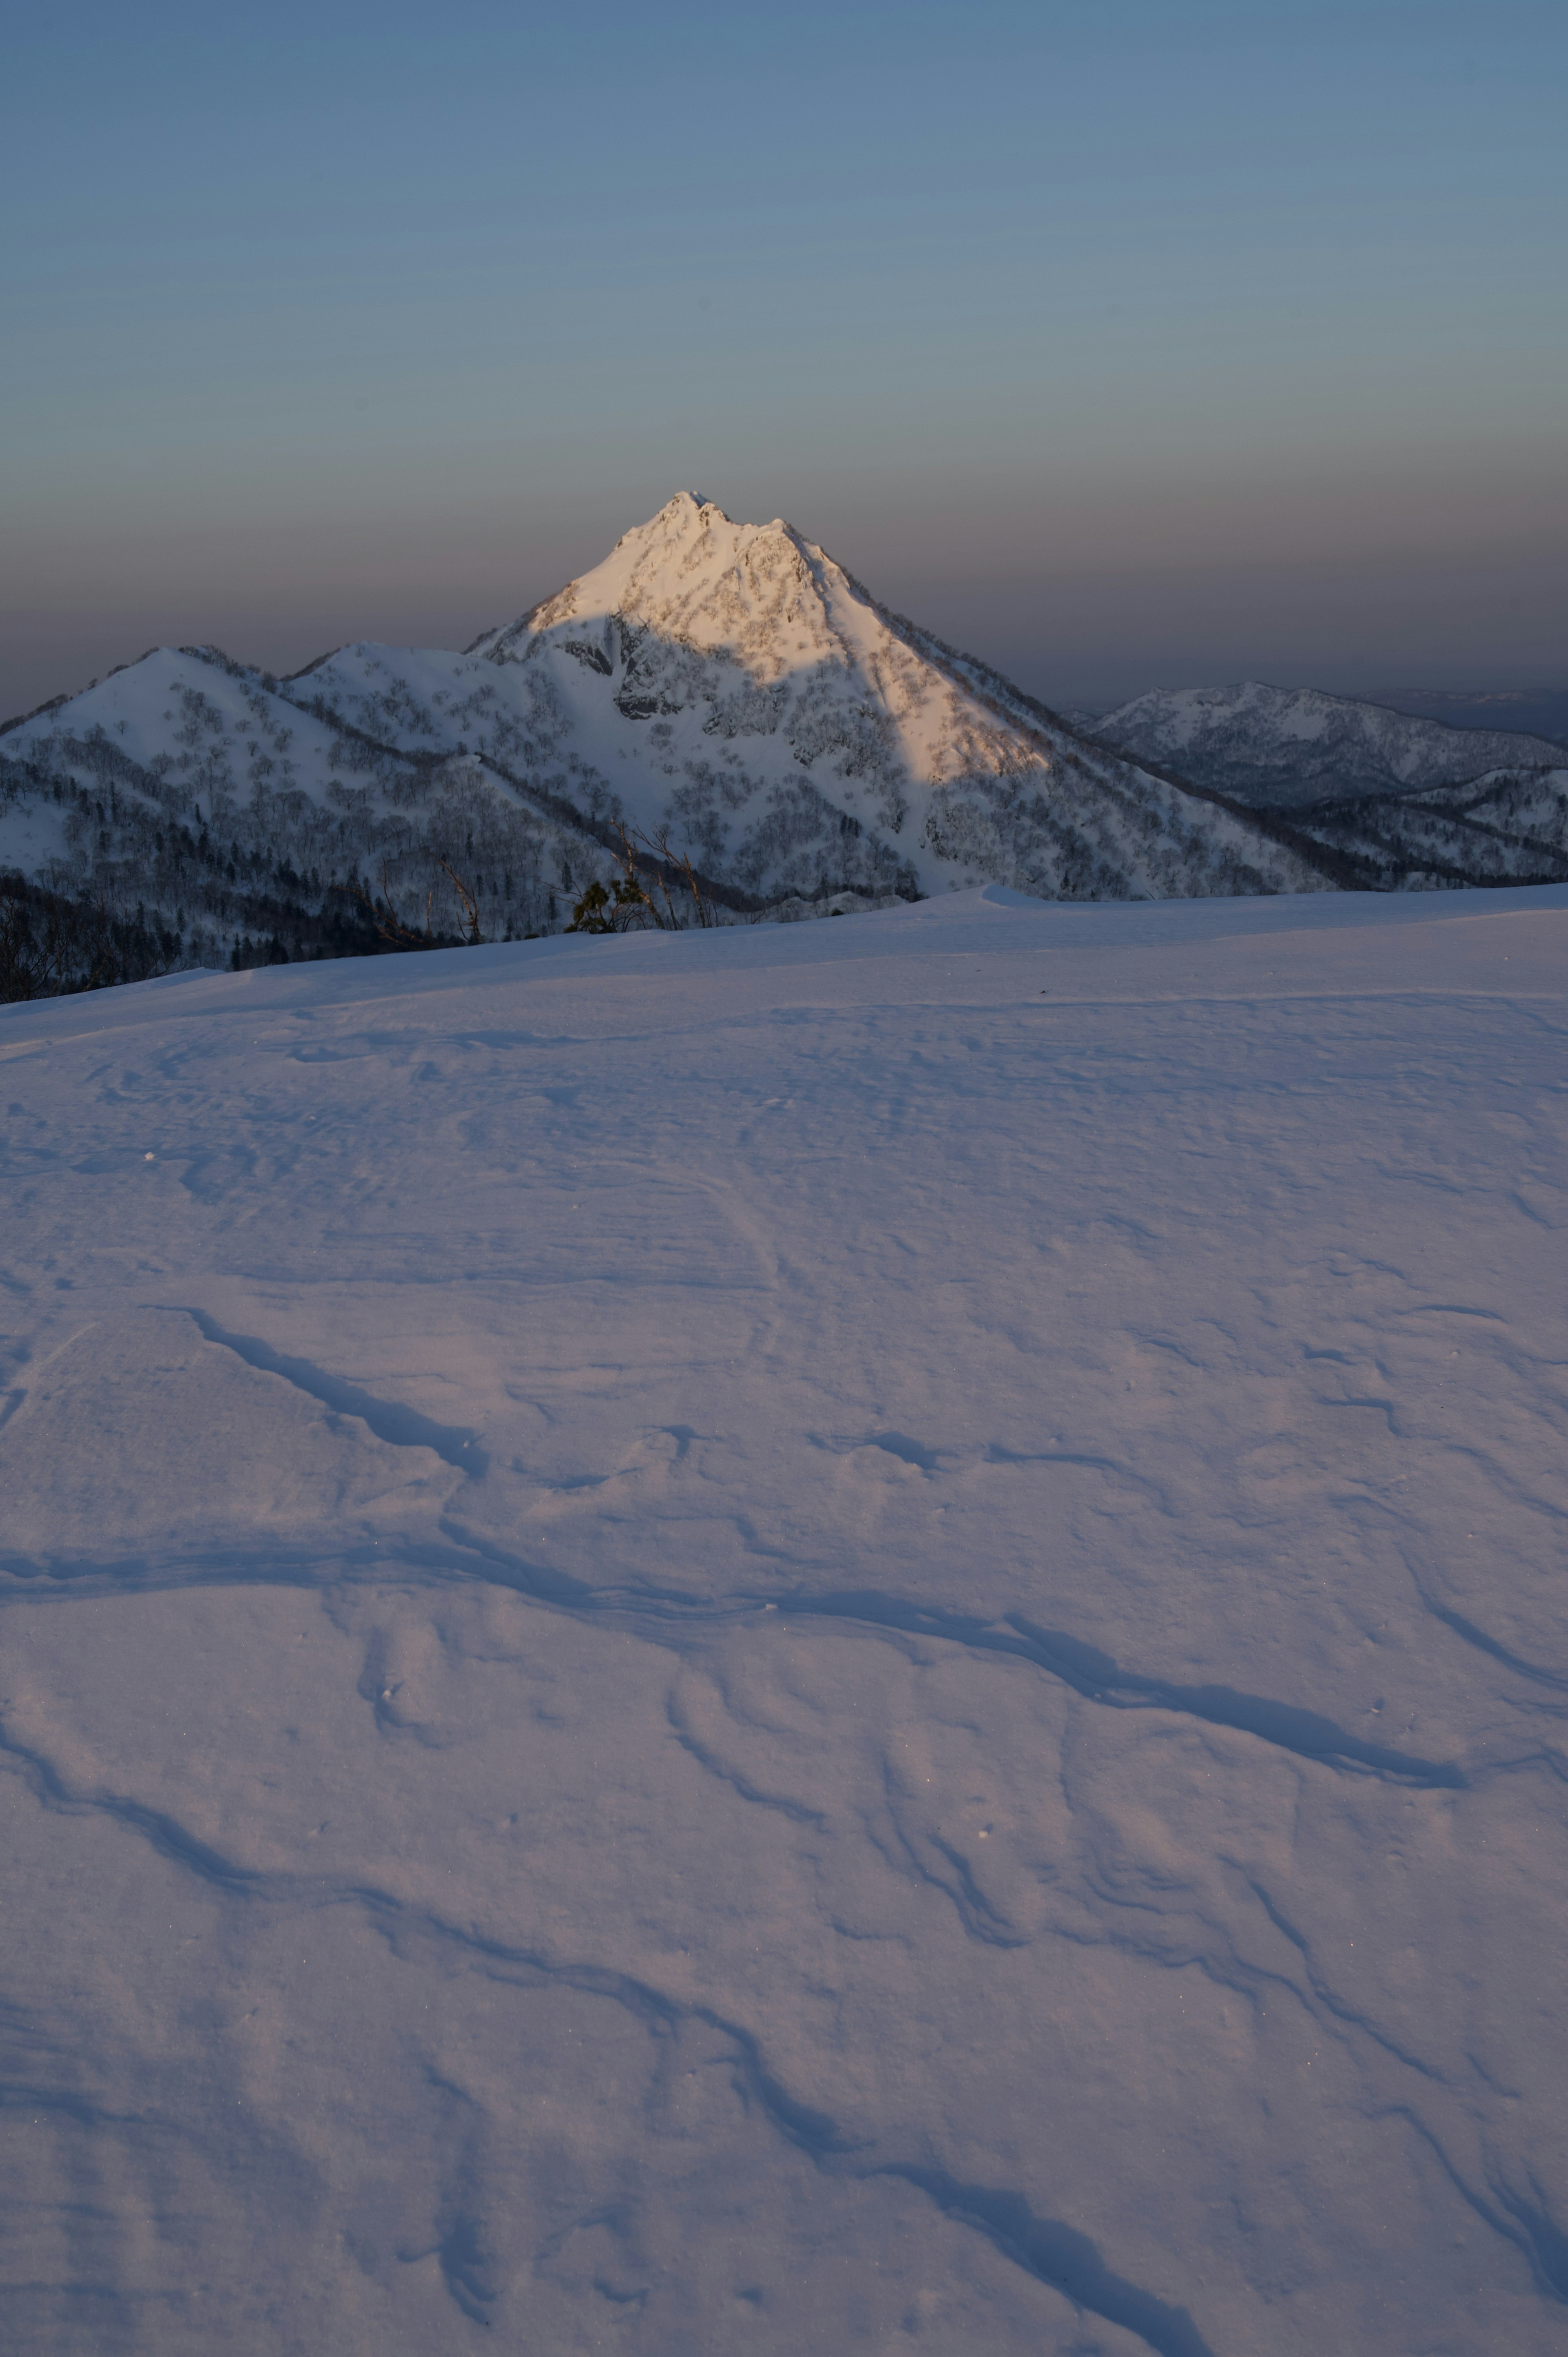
column 821, row 1637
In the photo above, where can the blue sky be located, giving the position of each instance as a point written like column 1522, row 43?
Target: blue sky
column 1123, row 344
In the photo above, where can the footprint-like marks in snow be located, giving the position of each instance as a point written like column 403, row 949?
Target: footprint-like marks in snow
column 891, row 1444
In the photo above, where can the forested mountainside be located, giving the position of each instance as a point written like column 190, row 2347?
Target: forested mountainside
column 193, row 787
column 726, row 687
column 1278, row 747
column 1510, row 827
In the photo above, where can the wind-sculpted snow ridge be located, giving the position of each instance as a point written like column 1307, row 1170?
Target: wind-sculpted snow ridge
column 726, row 687
column 799, row 1638
column 1285, row 747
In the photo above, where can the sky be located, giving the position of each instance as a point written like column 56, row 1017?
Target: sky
column 1123, row 344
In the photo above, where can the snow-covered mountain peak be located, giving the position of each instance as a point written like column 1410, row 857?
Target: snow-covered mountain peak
column 725, row 687
column 758, row 593
column 734, row 686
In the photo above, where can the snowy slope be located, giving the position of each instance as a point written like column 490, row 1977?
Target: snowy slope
column 1508, row 826
column 1277, row 748
column 802, row 1638
column 214, row 794
column 727, row 686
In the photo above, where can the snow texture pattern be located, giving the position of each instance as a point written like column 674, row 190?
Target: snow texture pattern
column 833, row 1637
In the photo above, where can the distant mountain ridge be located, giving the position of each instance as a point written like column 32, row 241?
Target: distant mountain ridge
column 1283, row 748
column 728, row 686
column 1521, row 711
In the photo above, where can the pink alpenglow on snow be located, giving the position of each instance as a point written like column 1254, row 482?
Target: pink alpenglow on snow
column 812, row 1637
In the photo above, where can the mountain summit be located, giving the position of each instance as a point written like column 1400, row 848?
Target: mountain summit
column 730, row 684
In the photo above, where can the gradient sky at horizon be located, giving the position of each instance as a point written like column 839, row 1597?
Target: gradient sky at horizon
column 1123, row 344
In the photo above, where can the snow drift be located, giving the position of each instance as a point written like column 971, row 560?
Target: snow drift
column 804, row 1638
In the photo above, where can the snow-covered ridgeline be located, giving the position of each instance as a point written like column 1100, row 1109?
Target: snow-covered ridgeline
column 725, row 684
column 1282, row 748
